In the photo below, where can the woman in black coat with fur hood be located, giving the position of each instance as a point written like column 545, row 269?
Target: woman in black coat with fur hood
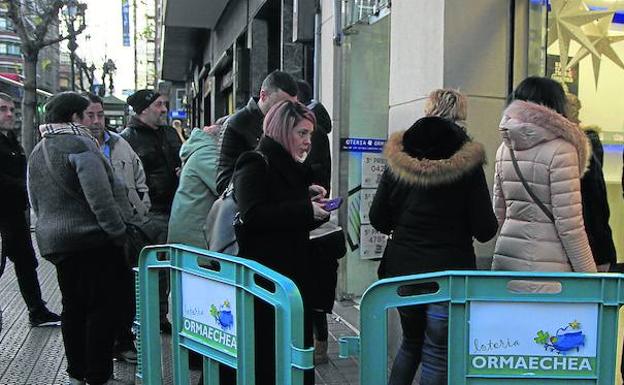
column 432, row 200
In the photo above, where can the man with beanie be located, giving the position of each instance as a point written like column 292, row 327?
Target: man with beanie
column 243, row 129
column 14, row 229
column 158, row 146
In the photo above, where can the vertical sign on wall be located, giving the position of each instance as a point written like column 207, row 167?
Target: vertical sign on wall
column 372, row 242
column 125, row 22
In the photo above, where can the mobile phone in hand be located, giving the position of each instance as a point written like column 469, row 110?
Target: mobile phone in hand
column 332, row 204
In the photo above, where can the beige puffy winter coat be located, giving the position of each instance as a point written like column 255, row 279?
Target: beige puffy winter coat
column 552, row 153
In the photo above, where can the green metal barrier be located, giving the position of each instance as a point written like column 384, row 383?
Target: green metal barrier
column 498, row 334
column 212, row 314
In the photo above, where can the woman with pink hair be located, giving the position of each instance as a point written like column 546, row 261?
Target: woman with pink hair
column 273, row 189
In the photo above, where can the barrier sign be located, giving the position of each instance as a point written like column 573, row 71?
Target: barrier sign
column 209, row 312
column 544, row 339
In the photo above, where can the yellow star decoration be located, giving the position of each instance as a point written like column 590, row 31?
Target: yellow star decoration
column 565, row 21
column 575, row 325
column 598, row 33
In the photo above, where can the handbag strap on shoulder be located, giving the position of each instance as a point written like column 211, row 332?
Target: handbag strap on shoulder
column 528, row 189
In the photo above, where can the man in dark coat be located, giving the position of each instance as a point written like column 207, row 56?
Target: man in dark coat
column 319, row 158
column 158, row 146
column 14, row 229
column 243, row 129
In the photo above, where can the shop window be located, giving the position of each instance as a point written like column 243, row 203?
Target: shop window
column 591, row 67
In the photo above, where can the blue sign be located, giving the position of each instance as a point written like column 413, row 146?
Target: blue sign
column 362, row 144
column 177, row 114
column 125, row 21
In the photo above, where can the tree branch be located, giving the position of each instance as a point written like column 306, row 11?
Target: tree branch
column 47, row 42
column 47, row 17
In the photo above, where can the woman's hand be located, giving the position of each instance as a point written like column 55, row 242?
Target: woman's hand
column 317, row 192
column 319, row 212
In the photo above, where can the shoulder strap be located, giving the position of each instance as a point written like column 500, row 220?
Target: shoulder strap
column 539, row 203
column 55, row 176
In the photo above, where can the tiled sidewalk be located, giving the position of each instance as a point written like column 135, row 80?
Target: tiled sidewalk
column 36, row 355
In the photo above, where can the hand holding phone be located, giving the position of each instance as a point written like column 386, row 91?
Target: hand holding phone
column 333, row 204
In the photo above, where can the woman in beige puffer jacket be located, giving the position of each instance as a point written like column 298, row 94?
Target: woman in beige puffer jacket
column 552, row 154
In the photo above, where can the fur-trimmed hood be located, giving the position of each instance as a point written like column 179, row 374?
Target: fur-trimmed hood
column 525, row 125
column 427, row 172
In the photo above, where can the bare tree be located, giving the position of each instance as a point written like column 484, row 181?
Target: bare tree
column 32, row 20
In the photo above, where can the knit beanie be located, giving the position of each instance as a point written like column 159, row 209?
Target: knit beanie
column 433, row 138
column 142, row 99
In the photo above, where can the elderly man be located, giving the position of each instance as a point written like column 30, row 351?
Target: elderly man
column 158, row 146
column 14, row 229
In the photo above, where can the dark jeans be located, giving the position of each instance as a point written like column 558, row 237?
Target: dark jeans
column 89, row 311
column 17, row 246
column 157, row 230
column 319, row 324
column 425, row 340
column 125, row 284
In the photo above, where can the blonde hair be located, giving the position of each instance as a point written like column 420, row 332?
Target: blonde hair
column 282, row 118
column 573, row 107
column 448, row 104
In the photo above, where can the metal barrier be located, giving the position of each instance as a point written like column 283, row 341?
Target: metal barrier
column 499, row 333
column 212, row 314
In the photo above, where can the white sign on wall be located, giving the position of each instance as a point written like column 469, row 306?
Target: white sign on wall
column 373, row 166
column 372, row 242
column 366, row 200
column 209, row 312
column 508, row 338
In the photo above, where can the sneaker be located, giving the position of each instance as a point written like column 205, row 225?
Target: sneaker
column 129, row 356
column 127, row 353
column 44, row 318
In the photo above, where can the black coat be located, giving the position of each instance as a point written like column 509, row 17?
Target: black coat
column 596, row 211
column 241, row 133
column 276, row 210
column 159, row 152
column 14, row 197
column 277, row 217
column 432, row 209
column 319, row 158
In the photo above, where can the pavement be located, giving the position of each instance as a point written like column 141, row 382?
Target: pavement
column 35, row 356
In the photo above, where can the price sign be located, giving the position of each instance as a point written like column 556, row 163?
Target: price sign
column 373, row 166
column 366, row 200
column 372, row 242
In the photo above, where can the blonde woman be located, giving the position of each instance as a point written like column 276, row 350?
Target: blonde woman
column 449, row 104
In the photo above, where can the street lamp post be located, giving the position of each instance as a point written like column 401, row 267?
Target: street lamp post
column 108, row 68
column 75, row 11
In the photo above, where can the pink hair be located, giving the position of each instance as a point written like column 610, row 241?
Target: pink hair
column 282, row 118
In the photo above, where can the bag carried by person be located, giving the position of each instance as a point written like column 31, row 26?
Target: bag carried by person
column 223, row 220
column 327, row 246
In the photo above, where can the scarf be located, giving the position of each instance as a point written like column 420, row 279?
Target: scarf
column 66, row 129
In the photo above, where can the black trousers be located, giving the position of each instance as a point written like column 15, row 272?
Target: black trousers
column 125, row 284
column 17, row 246
column 90, row 311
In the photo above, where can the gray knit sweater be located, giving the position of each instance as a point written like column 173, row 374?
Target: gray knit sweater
column 64, row 222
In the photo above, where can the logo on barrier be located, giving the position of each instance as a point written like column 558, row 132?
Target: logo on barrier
column 209, row 312
column 503, row 339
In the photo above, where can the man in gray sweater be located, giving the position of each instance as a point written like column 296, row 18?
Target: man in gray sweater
column 80, row 227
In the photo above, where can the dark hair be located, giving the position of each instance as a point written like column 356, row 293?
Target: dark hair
column 305, row 91
column 93, row 98
column 61, row 107
column 544, row 91
column 280, row 80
